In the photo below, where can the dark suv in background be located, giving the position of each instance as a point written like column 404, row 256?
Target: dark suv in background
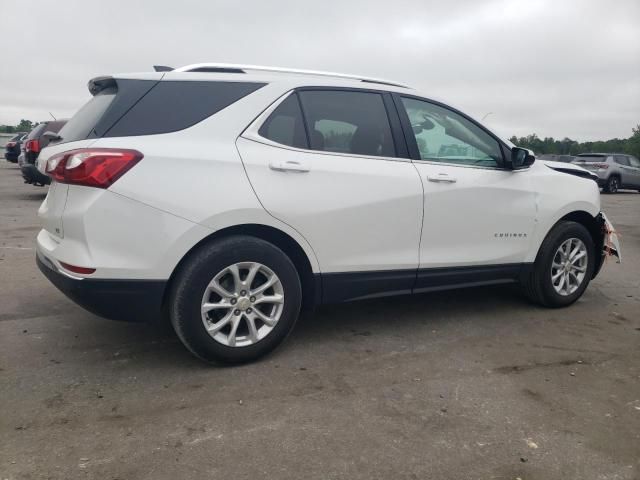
column 614, row 170
column 12, row 147
column 31, row 147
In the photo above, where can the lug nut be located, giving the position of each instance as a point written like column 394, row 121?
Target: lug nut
column 236, row 312
column 243, row 293
column 248, row 310
column 233, row 301
column 253, row 299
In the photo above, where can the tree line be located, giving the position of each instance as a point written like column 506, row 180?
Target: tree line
column 566, row 146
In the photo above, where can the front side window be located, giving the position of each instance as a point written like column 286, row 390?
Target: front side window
column 445, row 136
column 348, row 122
column 634, row 162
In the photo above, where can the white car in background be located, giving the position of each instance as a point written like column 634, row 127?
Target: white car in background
column 229, row 197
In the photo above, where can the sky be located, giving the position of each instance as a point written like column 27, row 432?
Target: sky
column 561, row 68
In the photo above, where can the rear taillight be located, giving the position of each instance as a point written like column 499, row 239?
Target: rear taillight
column 604, row 166
column 32, row 146
column 92, row 167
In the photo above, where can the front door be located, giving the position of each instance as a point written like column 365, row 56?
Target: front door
column 476, row 212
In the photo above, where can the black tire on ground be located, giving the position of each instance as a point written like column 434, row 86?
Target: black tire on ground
column 194, row 275
column 538, row 285
column 612, row 185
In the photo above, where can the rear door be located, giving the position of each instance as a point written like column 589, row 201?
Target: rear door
column 627, row 174
column 328, row 163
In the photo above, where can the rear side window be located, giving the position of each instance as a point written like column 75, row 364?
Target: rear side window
column 174, row 105
column 145, row 107
column 285, row 124
column 621, row 160
column 347, row 122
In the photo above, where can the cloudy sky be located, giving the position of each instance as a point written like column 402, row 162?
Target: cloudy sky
column 556, row 68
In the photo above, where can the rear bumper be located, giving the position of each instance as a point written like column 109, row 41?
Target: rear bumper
column 32, row 175
column 126, row 300
column 11, row 157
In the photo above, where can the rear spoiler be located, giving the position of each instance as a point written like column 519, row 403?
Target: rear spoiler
column 98, row 84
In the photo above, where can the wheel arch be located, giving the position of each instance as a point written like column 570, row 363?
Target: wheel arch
column 311, row 287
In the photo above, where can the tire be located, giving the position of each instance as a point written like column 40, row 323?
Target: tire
column 539, row 286
column 197, row 274
column 612, row 185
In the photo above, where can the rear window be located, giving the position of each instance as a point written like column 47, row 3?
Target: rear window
column 86, row 119
column 145, row 107
column 591, row 158
column 37, row 131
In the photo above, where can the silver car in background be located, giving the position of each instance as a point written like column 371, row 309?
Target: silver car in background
column 614, row 170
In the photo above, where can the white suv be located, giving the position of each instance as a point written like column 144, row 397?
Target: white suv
column 229, row 197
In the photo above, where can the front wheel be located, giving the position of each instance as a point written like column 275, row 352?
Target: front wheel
column 564, row 266
column 235, row 300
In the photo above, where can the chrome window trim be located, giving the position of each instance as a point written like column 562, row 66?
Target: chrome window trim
column 251, row 133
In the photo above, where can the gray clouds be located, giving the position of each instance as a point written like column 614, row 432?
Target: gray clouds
column 557, row 68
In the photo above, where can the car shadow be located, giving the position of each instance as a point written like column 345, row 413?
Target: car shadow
column 158, row 345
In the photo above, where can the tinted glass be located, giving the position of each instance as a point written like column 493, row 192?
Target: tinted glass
column 285, row 124
column 347, row 122
column 621, row 159
column 445, row 136
column 175, row 105
column 85, row 119
column 634, row 162
column 37, row 131
column 591, row 157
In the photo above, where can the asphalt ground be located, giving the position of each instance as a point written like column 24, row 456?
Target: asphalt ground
column 466, row 384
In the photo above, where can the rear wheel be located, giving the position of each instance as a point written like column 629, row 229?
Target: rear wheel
column 612, row 185
column 564, row 266
column 235, row 300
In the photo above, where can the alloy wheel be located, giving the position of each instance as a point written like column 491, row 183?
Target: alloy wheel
column 242, row 304
column 569, row 266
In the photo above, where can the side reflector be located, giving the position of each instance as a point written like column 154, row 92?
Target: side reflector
column 75, row 269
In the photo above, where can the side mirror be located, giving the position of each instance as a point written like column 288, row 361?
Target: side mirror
column 521, row 158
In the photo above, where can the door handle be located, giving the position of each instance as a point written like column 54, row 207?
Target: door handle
column 289, row 166
column 441, row 178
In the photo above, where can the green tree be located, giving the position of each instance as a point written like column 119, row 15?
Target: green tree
column 25, row 126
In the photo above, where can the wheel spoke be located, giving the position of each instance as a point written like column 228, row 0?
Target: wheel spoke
column 231, row 338
column 277, row 298
column 556, row 276
column 579, row 256
column 215, row 327
column 253, row 331
column 219, row 289
column 266, row 285
column 255, row 268
column 207, row 307
column 235, row 273
column 579, row 268
column 267, row 320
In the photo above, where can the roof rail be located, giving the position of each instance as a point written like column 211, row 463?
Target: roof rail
column 235, row 68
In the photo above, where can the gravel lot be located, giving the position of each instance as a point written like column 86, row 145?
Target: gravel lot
column 469, row 384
